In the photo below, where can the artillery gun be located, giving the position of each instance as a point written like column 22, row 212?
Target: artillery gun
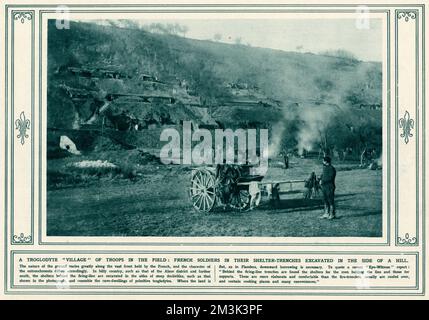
column 231, row 185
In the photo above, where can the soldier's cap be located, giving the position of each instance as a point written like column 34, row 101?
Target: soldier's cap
column 327, row 159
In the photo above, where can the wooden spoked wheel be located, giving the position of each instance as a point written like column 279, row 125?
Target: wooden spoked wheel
column 240, row 200
column 203, row 190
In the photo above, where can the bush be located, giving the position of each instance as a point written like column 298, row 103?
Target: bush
column 340, row 53
column 128, row 171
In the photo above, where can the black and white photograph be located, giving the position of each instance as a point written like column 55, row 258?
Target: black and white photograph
column 229, row 127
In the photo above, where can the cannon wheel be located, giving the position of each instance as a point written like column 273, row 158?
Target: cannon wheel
column 203, row 191
column 240, row 200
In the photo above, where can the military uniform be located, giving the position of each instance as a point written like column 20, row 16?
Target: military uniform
column 286, row 160
column 328, row 190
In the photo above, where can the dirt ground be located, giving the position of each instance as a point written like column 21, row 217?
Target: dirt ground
column 157, row 204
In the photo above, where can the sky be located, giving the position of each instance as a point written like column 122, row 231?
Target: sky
column 303, row 35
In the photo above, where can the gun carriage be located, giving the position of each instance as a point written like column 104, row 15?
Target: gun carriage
column 231, row 185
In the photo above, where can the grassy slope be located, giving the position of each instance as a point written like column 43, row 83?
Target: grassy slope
column 286, row 76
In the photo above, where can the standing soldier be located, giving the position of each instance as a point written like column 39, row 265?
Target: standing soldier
column 327, row 181
column 286, row 159
column 312, row 186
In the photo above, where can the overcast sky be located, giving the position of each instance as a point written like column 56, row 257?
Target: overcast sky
column 305, row 35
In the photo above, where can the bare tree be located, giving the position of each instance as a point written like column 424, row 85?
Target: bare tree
column 169, row 28
column 238, row 40
column 217, row 37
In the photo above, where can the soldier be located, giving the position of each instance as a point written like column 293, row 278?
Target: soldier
column 226, row 176
column 286, row 160
column 327, row 181
column 275, row 195
column 312, row 186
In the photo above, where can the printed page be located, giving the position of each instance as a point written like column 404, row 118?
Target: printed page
column 228, row 150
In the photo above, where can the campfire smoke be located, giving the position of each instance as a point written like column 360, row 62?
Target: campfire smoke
column 277, row 132
column 313, row 121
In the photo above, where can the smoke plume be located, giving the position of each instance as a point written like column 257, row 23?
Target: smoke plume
column 312, row 120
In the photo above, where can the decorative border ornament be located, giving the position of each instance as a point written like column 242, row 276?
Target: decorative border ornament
column 22, row 16
column 407, row 15
column 21, row 239
column 407, row 124
column 407, row 239
column 22, row 125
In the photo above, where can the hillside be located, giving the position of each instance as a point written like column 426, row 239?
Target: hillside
column 129, row 79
